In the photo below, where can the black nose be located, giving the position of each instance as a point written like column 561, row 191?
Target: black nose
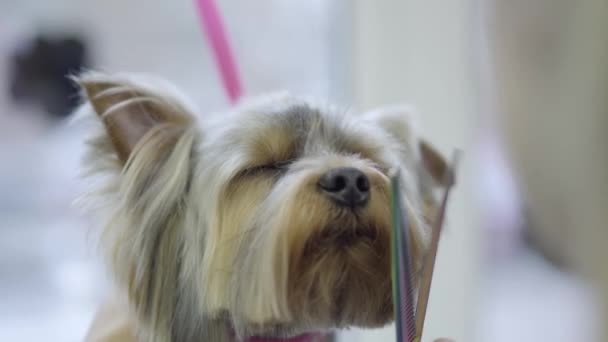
column 346, row 186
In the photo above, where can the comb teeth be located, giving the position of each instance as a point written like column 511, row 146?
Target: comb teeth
column 410, row 321
column 403, row 290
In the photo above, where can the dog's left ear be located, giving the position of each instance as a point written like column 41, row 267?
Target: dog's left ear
column 399, row 122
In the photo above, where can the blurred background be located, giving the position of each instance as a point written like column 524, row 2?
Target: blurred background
column 520, row 85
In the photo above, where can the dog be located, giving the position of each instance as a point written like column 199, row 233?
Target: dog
column 269, row 221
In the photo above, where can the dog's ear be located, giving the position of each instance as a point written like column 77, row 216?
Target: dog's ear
column 400, row 122
column 129, row 111
column 433, row 162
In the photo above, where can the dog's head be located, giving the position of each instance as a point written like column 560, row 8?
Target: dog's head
column 272, row 219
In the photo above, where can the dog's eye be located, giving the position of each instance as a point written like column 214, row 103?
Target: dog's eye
column 275, row 167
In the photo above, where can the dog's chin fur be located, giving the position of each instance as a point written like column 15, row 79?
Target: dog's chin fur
column 324, row 267
column 218, row 230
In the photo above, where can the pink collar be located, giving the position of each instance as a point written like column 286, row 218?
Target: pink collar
column 310, row 337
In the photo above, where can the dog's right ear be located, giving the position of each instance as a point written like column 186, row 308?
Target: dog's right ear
column 130, row 111
column 145, row 152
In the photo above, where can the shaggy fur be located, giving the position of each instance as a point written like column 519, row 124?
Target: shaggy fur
column 217, row 229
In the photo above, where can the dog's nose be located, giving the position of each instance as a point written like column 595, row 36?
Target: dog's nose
column 346, row 186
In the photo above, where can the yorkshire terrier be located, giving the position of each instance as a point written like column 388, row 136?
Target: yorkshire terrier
column 269, row 221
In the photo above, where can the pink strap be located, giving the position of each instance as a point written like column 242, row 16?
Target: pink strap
column 214, row 29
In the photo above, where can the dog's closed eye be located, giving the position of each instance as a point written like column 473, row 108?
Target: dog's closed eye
column 274, row 167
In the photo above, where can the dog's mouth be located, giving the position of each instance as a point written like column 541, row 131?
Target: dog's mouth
column 345, row 237
column 337, row 237
column 348, row 237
